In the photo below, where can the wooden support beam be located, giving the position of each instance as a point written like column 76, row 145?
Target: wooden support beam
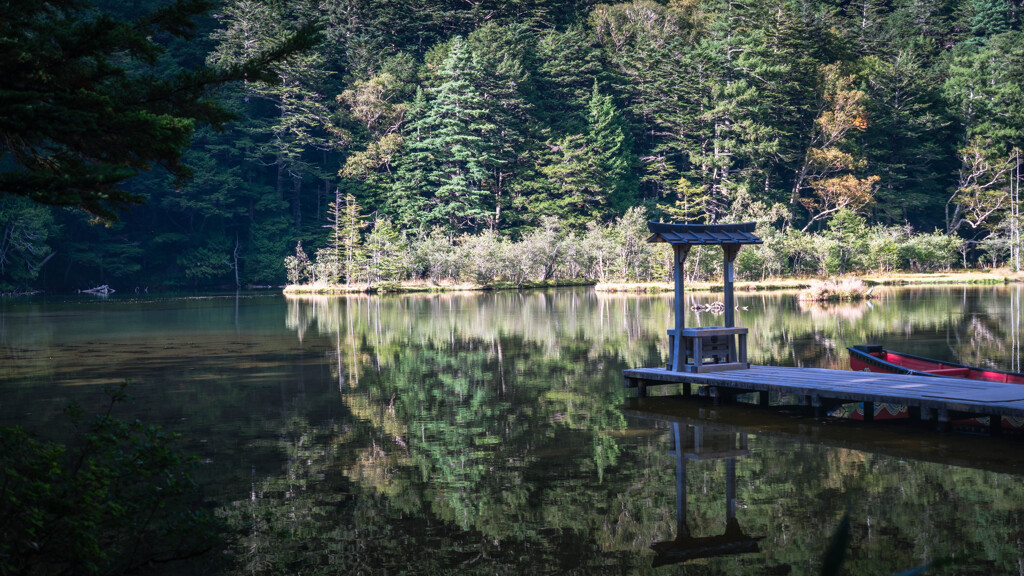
column 730, row 250
column 995, row 425
column 914, row 413
column 679, row 254
column 927, row 414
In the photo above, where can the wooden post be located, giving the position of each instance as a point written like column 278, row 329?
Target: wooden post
column 995, row 425
column 731, row 250
column 730, row 490
column 682, row 529
column 679, row 254
column 914, row 412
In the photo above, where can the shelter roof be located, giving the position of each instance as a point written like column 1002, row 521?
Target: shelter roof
column 703, row 233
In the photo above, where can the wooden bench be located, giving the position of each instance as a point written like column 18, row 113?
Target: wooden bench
column 710, row 349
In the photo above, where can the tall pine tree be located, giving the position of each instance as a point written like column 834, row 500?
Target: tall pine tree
column 450, row 159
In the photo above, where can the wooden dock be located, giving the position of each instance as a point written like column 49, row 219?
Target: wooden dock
column 942, row 400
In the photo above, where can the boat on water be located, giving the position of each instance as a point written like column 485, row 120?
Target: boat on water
column 874, row 358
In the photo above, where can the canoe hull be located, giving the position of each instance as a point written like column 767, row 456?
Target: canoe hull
column 873, row 358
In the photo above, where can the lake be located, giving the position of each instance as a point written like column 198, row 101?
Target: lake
column 491, row 433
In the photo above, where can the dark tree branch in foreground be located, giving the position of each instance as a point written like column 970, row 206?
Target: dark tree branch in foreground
column 83, row 106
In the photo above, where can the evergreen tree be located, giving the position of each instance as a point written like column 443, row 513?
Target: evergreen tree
column 450, row 160
column 647, row 46
column 982, row 87
column 691, row 206
column 866, row 26
column 987, row 18
column 612, row 146
column 85, row 106
column 568, row 64
column 505, row 86
column 349, row 238
column 24, row 230
column 385, row 250
column 303, row 122
column 576, row 190
column 408, row 197
column 927, row 19
column 906, row 138
column 736, row 147
column 298, row 266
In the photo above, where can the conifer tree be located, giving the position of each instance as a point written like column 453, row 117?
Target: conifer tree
column 648, row 45
column 86, row 106
column 905, row 136
column 385, row 249
column 575, row 190
column 303, row 121
column 350, row 238
column 504, row 84
column 568, row 64
column 297, row 266
column 612, row 145
column 449, row 159
column 407, row 199
column 691, row 205
column 987, row 18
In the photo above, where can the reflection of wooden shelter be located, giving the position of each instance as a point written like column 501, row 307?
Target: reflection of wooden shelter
column 699, row 442
column 713, row 348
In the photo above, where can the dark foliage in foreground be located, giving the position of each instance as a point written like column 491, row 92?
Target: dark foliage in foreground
column 115, row 499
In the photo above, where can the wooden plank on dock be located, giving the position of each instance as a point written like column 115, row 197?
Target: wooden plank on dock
column 945, row 394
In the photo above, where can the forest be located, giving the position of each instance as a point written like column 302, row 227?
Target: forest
column 530, row 140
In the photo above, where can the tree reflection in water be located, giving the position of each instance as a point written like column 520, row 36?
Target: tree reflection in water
column 486, row 434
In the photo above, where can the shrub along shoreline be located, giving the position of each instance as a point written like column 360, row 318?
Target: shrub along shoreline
column 617, row 257
column 419, row 286
column 992, row 277
column 995, row 276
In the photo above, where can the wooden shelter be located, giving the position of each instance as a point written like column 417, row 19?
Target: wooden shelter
column 705, row 349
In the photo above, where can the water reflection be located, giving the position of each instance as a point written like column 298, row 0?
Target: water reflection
column 485, row 433
column 971, row 325
column 699, row 440
column 787, row 480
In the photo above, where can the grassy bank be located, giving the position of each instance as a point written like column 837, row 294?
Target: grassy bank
column 420, row 286
column 996, row 276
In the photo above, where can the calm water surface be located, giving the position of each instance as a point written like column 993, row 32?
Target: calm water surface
column 490, row 433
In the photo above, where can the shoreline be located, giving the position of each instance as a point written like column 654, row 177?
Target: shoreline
column 424, row 287
column 994, row 277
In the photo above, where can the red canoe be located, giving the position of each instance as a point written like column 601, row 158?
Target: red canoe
column 873, row 358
